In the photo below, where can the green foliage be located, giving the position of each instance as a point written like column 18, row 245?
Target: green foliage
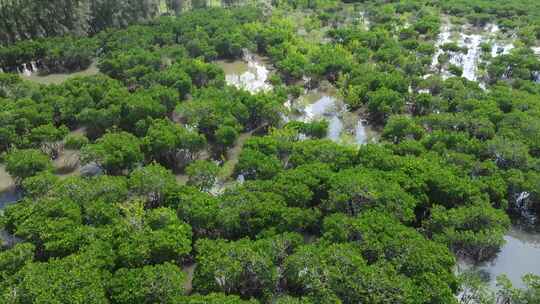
column 149, row 284
column 152, row 182
column 114, row 152
column 171, row 144
column 399, row 128
column 202, row 174
column 248, row 268
column 214, row 298
column 315, row 129
column 78, row 18
column 315, row 221
column 474, row 231
column 14, row 259
column 76, row 141
column 153, row 236
column 39, row 184
column 22, row 164
column 253, row 164
column 70, row 280
column 252, row 208
column 355, row 191
column 335, row 272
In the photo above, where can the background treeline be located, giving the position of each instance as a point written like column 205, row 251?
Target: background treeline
column 30, row 19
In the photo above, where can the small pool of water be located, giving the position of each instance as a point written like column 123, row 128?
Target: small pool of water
column 6, row 181
column 518, row 257
column 343, row 126
column 250, row 74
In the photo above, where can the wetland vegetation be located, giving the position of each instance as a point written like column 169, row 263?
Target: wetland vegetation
column 270, row 151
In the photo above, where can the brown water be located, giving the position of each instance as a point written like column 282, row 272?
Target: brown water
column 6, row 182
column 58, row 78
column 189, row 270
column 251, row 73
column 68, row 163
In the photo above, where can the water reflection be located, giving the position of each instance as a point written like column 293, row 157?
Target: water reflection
column 8, row 195
column 470, row 38
column 250, row 74
column 518, row 257
column 343, row 126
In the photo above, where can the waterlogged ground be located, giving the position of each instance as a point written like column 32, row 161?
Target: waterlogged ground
column 57, row 78
column 343, row 126
column 346, row 127
column 471, row 39
column 521, row 253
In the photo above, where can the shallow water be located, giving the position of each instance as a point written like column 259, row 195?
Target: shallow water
column 189, row 271
column 250, row 74
column 471, row 38
column 68, row 163
column 444, row 37
column 324, row 106
column 57, row 78
column 470, row 61
column 8, row 195
column 519, row 256
column 343, row 126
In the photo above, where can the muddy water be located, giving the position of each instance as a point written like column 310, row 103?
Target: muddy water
column 68, row 163
column 519, row 256
column 250, row 74
column 57, row 78
column 189, row 270
column 6, row 182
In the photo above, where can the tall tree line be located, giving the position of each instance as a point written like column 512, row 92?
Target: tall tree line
column 27, row 19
